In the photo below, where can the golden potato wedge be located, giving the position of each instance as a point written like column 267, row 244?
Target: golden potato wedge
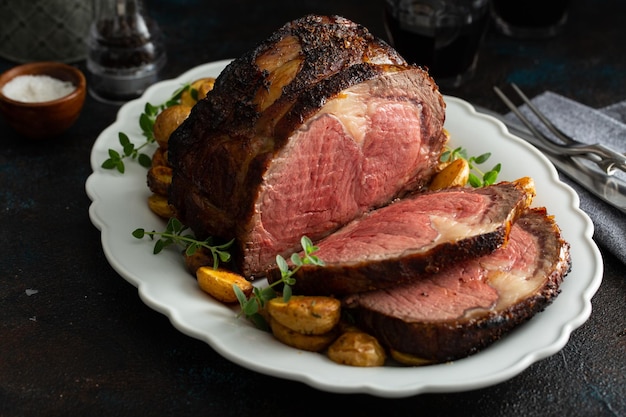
column 308, row 342
column 159, row 179
column 408, row 359
column 205, row 87
column 167, row 121
column 356, row 348
column 218, row 283
column 160, row 206
column 456, row 173
column 196, row 91
column 311, row 315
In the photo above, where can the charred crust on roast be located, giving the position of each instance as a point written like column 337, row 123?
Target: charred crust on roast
column 313, row 98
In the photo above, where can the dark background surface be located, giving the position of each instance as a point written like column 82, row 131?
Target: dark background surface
column 86, row 345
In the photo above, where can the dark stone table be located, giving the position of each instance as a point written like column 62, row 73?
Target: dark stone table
column 86, row 345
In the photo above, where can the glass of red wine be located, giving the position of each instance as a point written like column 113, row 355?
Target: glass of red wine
column 441, row 35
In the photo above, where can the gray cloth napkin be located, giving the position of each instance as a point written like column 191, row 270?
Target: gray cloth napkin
column 606, row 126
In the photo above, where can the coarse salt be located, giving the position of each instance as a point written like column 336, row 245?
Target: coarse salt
column 36, row 88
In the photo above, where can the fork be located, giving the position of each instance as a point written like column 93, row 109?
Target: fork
column 607, row 159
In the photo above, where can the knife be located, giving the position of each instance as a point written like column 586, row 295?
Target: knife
column 609, row 189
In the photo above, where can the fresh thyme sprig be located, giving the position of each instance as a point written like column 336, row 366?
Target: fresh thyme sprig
column 477, row 178
column 146, row 123
column 250, row 307
column 173, row 235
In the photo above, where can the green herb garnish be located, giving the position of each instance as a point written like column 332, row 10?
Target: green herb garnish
column 250, row 306
column 477, row 178
column 173, row 235
column 146, row 123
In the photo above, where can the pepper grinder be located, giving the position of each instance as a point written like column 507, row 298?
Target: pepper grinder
column 125, row 50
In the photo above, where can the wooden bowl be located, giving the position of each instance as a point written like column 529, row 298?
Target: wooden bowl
column 46, row 119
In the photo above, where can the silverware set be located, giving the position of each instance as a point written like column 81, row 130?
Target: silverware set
column 604, row 157
column 593, row 166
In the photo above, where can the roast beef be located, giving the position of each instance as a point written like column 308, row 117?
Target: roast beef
column 413, row 237
column 471, row 304
column 320, row 123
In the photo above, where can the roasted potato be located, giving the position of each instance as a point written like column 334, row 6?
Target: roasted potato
column 308, row 342
column 159, row 179
column 219, row 283
column 159, row 205
column 356, row 348
column 310, row 315
column 159, row 158
column 167, row 121
column 408, row 359
column 456, row 173
column 201, row 257
column 197, row 91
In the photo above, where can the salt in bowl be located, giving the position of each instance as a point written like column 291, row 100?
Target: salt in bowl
column 43, row 119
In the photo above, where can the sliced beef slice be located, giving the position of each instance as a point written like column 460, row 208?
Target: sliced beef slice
column 413, row 238
column 470, row 305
